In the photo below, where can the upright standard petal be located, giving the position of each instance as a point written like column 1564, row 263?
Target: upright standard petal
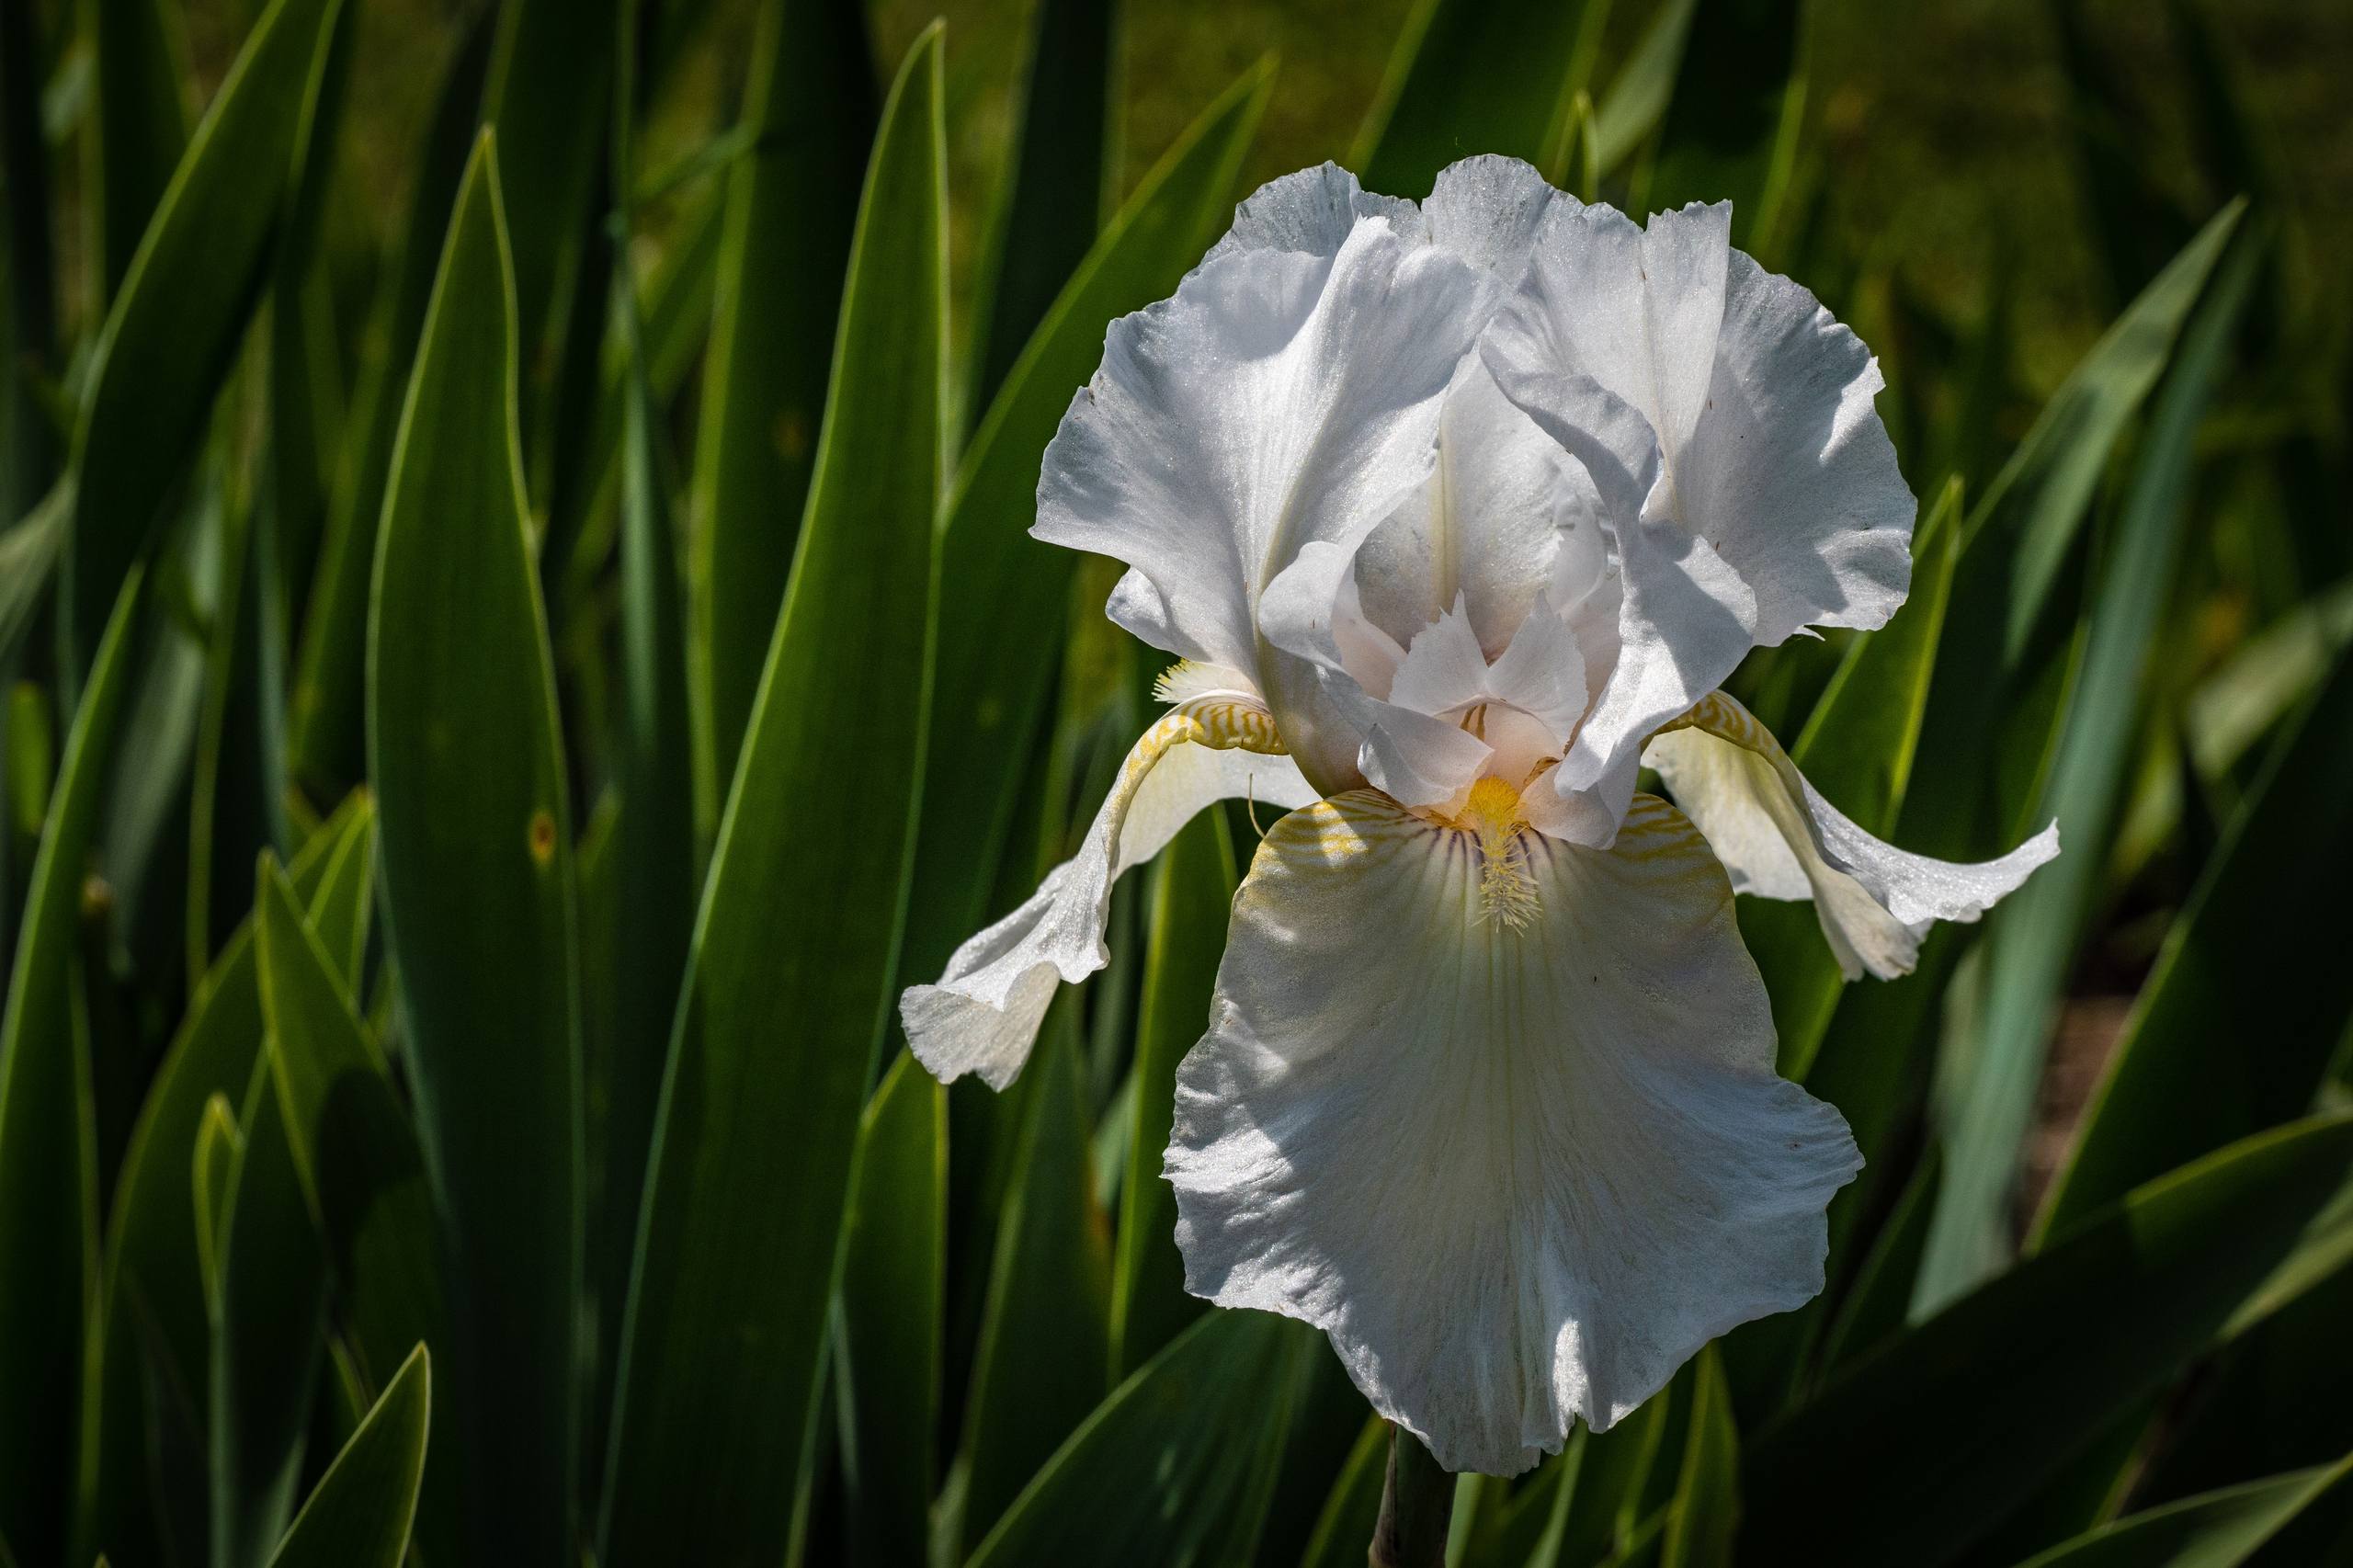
column 982, row 1015
column 1774, row 456
column 1281, row 400
column 1780, row 839
column 1519, row 1158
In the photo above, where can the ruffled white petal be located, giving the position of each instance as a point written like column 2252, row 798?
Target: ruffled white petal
column 1791, row 473
column 1683, row 614
column 1505, row 514
column 984, row 1014
column 1761, row 402
column 1518, row 1172
column 1488, row 209
column 1779, row 839
column 1312, row 211
column 1283, row 399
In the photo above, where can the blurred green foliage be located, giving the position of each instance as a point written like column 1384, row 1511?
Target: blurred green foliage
column 518, row 638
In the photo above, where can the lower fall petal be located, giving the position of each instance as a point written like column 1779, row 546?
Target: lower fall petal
column 982, row 1015
column 1779, row 839
column 1521, row 1156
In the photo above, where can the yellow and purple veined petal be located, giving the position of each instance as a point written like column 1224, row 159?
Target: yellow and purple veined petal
column 1519, row 1157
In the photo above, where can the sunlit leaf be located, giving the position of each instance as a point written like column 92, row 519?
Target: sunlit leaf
column 789, row 982
column 465, row 751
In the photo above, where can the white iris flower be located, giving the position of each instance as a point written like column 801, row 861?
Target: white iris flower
column 1456, row 514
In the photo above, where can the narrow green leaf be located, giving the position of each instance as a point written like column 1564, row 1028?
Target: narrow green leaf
column 656, row 863
column 1061, row 173
column 1040, row 1367
column 1000, row 631
column 791, row 204
column 894, row 1297
column 2002, row 617
column 2025, row 1370
column 547, row 94
column 1470, row 76
column 358, row 1515
column 48, row 1191
column 346, row 893
column 2033, row 936
column 1637, row 97
column 219, row 1145
column 327, row 742
column 1705, row 1517
column 138, row 60
column 28, row 346
column 144, row 1373
column 1874, row 1307
column 788, row 982
column 176, row 322
column 1352, row 1511
column 2184, row 1079
column 1732, row 115
column 357, row 1157
column 267, row 1311
column 2220, row 1529
column 1174, row 1467
column 465, row 751
column 30, row 549
column 1192, row 892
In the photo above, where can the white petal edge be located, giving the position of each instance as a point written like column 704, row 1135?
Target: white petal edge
column 1518, row 1175
column 983, row 1014
column 1778, row 838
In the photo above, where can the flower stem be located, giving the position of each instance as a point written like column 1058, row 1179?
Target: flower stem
column 1417, row 1504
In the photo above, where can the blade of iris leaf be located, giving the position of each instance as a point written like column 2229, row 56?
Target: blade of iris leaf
column 267, row 1307
column 28, row 554
column 138, row 52
column 1039, row 1366
column 325, row 733
column 1703, row 1525
column 1730, row 118
column 2187, row 1075
column 176, row 322
column 1066, row 150
column 654, row 904
column 1637, row 95
column 1175, row 1466
column 893, row 1295
column 361, row 1173
column 2026, row 1369
column 304, row 409
column 149, row 1330
column 547, row 93
column 788, row 981
column 464, row 748
column 359, row 1513
column 47, row 1183
column 2255, row 1413
column 1352, row 1510
column 2218, row 1529
column 1000, row 630
column 1857, row 748
column 791, row 204
column 1470, row 76
column 673, row 313
column 2033, row 936
column 28, row 444
column 1192, row 892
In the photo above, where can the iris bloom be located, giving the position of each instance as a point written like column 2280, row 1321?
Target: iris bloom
column 1454, row 515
